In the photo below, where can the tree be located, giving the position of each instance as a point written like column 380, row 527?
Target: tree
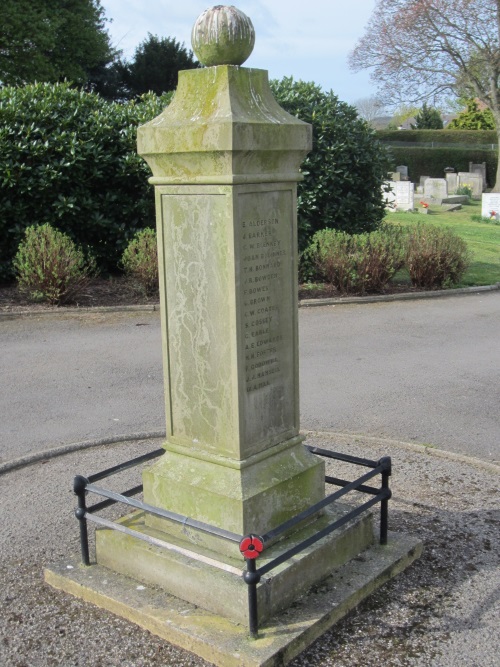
column 428, row 118
column 52, row 40
column 425, row 49
column 369, row 108
column 155, row 66
column 473, row 118
column 403, row 113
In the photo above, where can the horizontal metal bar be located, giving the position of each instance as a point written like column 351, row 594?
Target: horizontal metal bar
column 367, row 463
column 165, row 514
column 165, row 545
column 125, row 466
column 107, row 503
column 344, row 482
column 323, row 533
column 310, row 511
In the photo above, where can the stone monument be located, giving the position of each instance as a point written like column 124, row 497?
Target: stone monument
column 225, row 159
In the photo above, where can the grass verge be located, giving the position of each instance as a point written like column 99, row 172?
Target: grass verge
column 483, row 239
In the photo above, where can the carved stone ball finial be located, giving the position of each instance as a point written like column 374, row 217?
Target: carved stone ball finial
column 222, row 35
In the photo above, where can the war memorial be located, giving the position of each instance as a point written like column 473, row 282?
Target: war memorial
column 236, row 552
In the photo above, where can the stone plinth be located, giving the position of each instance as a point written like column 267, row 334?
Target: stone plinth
column 224, row 592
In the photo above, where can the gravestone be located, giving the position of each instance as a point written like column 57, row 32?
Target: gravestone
column 452, row 182
column 472, row 180
column 403, row 170
column 401, row 198
column 490, row 206
column 479, row 168
column 436, row 189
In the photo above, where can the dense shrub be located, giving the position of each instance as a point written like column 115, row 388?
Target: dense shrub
column 140, row 261
column 344, row 172
column 435, row 257
column 69, row 157
column 381, row 255
column 50, row 267
column 357, row 263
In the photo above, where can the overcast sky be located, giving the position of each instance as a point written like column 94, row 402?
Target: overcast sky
column 309, row 40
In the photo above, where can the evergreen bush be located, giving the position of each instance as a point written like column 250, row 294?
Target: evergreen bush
column 140, row 261
column 344, row 173
column 50, row 267
column 69, row 157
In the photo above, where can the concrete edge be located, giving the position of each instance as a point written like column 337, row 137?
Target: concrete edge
column 53, row 452
column 410, row 446
column 404, row 296
column 12, row 315
column 303, row 303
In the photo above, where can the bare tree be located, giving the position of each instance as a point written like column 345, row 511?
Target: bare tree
column 425, row 49
column 369, row 108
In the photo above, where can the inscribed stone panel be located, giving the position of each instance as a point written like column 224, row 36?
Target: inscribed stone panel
column 266, row 287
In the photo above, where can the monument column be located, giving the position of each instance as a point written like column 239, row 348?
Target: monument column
column 225, row 160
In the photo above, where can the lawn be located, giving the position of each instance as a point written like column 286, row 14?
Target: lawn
column 483, row 239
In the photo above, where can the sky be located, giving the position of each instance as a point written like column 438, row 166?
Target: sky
column 309, row 40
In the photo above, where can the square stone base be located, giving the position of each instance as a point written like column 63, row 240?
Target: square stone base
column 222, row 641
column 224, row 592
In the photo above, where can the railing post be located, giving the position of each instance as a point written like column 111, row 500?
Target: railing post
column 384, row 504
column 79, row 487
column 252, row 578
column 251, row 547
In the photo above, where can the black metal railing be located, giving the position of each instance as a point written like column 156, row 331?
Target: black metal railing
column 251, row 546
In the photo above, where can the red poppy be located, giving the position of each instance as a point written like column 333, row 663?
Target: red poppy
column 493, row 214
column 251, row 546
column 424, row 204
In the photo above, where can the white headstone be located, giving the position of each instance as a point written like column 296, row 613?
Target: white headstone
column 491, row 205
column 401, row 198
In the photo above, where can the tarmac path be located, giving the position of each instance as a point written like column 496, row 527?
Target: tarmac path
column 424, row 371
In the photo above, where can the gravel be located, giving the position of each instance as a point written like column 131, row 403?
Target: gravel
column 442, row 611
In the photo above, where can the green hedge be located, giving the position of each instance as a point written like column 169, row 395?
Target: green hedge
column 473, row 137
column 69, row 158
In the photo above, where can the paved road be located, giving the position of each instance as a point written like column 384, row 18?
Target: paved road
column 424, row 371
